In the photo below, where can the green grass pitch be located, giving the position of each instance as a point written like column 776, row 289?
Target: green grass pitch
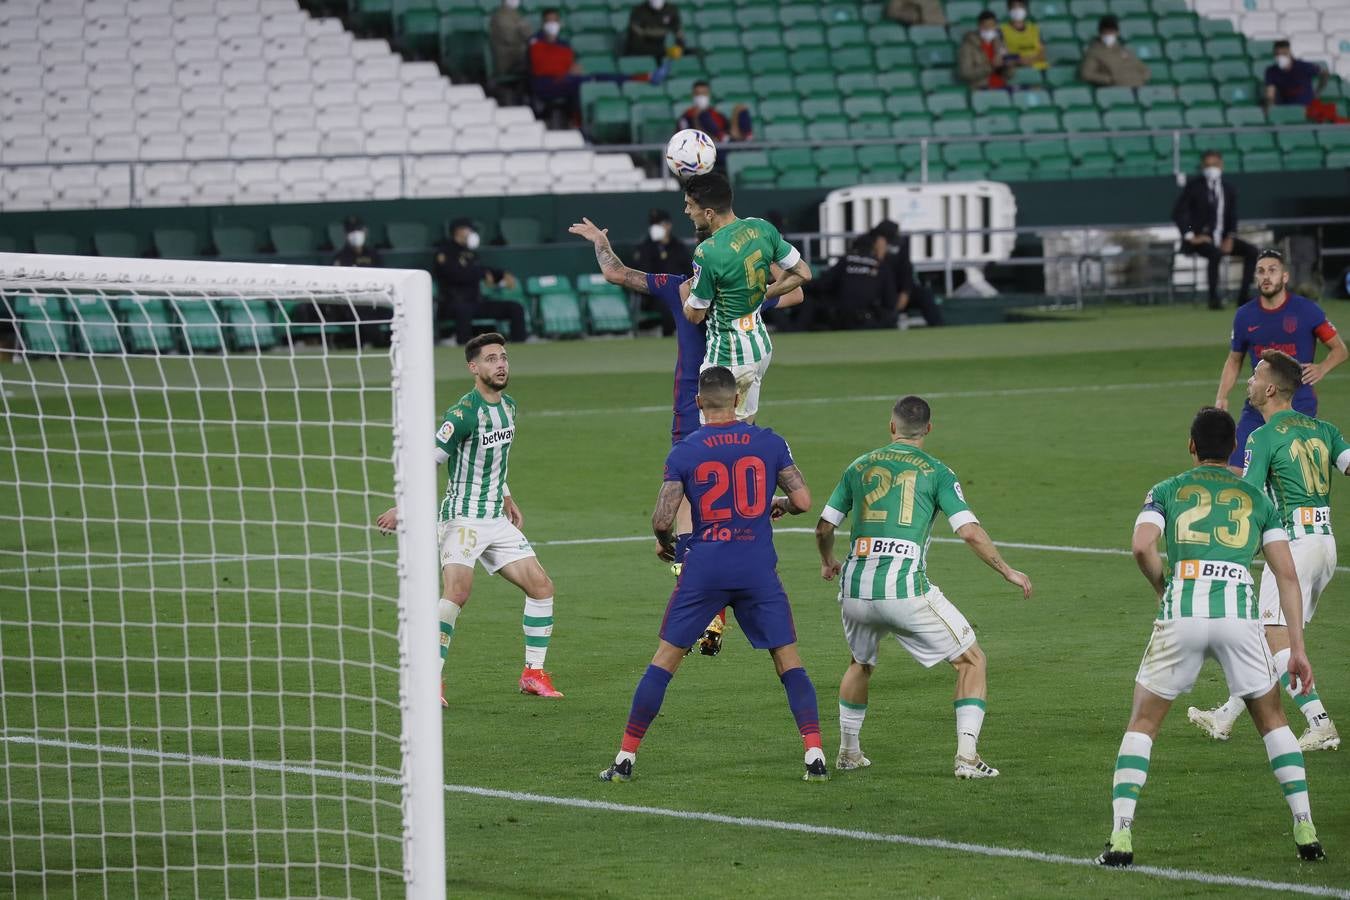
column 1056, row 430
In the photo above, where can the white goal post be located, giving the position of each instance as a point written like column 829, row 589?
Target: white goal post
column 216, row 677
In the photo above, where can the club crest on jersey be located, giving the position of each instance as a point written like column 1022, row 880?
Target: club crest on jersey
column 1290, row 324
column 496, row 437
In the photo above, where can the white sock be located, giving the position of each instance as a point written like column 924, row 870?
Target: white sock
column 538, row 626
column 969, row 721
column 1231, row 709
column 851, row 717
column 1309, row 702
column 624, row 755
column 1131, row 773
column 449, row 615
column 1286, row 761
column 814, row 754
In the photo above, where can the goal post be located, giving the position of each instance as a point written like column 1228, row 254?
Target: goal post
column 216, row 677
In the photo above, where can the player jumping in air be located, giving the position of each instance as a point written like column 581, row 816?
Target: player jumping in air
column 1213, row 523
column 690, row 344
column 1277, row 320
column 1291, row 457
column 728, row 469
column 479, row 521
column 894, row 494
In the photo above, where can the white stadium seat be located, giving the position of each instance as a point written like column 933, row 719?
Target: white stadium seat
column 283, row 47
column 247, row 96
column 380, row 95
column 525, row 136
column 387, row 141
column 118, row 146
column 377, row 68
column 383, row 118
column 70, row 124
column 259, row 143
column 212, row 173
column 342, row 141
column 63, row 52
column 246, row 49
column 298, row 143
column 157, row 97
column 71, row 148
column 432, row 139
column 64, row 75
column 294, row 118
column 154, row 73
column 286, row 25
column 209, row 145
column 27, row 124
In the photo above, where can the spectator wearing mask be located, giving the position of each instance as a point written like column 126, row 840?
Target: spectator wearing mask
column 1206, row 214
column 357, row 250
column 856, row 291
column 662, row 253
column 509, row 35
column 1022, row 37
column 1290, row 81
column 911, row 294
column 649, row 25
column 459, row 283
column 702, row 115
column 556, row 77
column 916, row 12
column 982, row 61
column 1108, row 62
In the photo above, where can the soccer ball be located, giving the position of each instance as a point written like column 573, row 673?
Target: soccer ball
column 690, row 152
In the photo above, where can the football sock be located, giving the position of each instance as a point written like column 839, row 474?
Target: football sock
column 969, row 720
column 801, row 696
column 1286, row 761
column 538, row 625
column 851, row 717
column 1131, row 772
column 1310, row 704
column 722, row 616
column 1230, row 711
column 449, row 614
column 647, row 700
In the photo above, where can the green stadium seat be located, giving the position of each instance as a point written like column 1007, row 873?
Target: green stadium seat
column 962, row 12
column 235, row 242
column 418, row 30
column 935, row 55
column 900, row 105
column 291, row 240
column 816, row 108
column 1123, row 119
column 997, row 123
column 1306, row 158
column 43, row 325
column 1164, row 117
column 1034, row 99
column 859, row 84
column 911, row 155
column 1057, row 30
column 1255, row 142
column 1074, row 97
column 765, row 62
column 1129, row 149
column 1178, row 27
column 538, row 285
column 839, row 14
column 810, row 84
column 758, row 18
column 984, row 101
column 855, row 59
column 608, row 314
column 890, row 58
column 900, row 80
column 1089, row 9
column 1058, row 76
column 1184, row 50
column 948, row 100
column 1101, row 166
column 1262, row 162
column 1235, row 93
column 248, row 324
column 737, row 87
column 830, row 159
column 1085, row 30
column 798, row 14
column 408, row 236
column 94, row 327
column 1245, row 116
column 966, row 173
column 954, row 124
column 611, row 121
column 520, row 230
column 559, row 314
column 116, row 243
column 962, row 154
column 889, row 174
column 1147, row 50
column 830, row 128
column 1082, row 120
column 783, row 107
column 1334, row 138
column 798, row 177
column 1004, row 152
column 872, row 126
column 1161, row 71
column 880, row 156
column 773, row 86
column 784, row 131
column 54, row 242
column 1338, row 159
column 592, row 91
column 1154, row 94
column 1219, row 48
column 913, row 129
column 1109, row 98
column 1289, row 141
column 1012, row 170
column 772, row 40
column 1209, row 115
column 598, row 43
column 857, row 107
column 1210, row 28
column 1279, row 115
column 838, row 37
column 200, row 326
column 1027, row 77
column 812, row 59
column 928, row 35
column 635, row 65
column 1189, row 72
column 1039, row 121
column 943, row 79
column 887, row 34
column 1063, row 50
column 147, row 326
column 788, row 158
column 1191, row 94
column 1083, row 147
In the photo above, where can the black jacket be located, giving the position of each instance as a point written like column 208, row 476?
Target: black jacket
column 366, row 257
column 859, row 283
column 1194, row 211
column 458, row 273
column 656, row 257
column 647, row 30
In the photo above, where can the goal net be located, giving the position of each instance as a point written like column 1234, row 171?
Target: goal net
column 217, row 679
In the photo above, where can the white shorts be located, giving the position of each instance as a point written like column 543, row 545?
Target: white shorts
column 929, row 627
column 1179, row 648
column 748, row 379
column 1315, row 561
column 492, row 542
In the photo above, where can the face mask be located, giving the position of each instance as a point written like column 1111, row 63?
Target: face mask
column 1213, row 173
column 657, row 232
column 552, row 29
column 702, row 101
column 472, row 240
column 1017, row 14
column 1110, row 39
column 513, row 4
column 987, row 35
column 357, row 239
column 656, row 4
column 1283, row 61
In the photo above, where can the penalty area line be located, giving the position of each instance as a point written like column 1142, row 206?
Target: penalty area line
column 828, row 831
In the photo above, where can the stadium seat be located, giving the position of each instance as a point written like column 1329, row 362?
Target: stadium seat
column 1123, row 119
column 248, row 324
column 1288, row 115
column 520, row 230
column 608, row 313
column 95, row 328
column 234, row 243
column 1075, row 97
column 43, row 325
column 52, row 242
column 1082, row 120
column 291, row 240
column 200, row 326
column 1109, row 98
column 559, row 314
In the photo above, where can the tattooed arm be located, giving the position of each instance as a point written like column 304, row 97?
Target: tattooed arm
column 663, row 517
column 798, row 499
column 611, row 266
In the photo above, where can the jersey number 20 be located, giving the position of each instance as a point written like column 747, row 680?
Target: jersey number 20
column 746, row 480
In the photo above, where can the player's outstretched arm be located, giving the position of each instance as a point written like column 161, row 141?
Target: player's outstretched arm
column 387, row 521
column 1228, row 377
column 978, row 540
column 663, row 517
column 798, row 499
column 793, row 278
column 1336, row 354
column 829, row 566
column 1281, row 563
column 611, row 266
column 1146, row 555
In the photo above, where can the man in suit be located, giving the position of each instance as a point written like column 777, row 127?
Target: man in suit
column 1206, row 215
column 460, row 277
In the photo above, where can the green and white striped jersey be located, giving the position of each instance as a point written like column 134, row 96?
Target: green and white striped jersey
column 475, row 438
column 1292, row 456
column 1213, row 523
column 731, row 274
column 894, row 493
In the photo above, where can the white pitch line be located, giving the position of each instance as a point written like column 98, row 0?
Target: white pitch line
column 828, row 831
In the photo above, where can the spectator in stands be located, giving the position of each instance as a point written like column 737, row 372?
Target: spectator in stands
column 356, row 251
column 1108, row 62
column 459, row 283
column 509, row 34
column 649, row 25
column 916, row 12
column 910, row 293
column 555, row 76
column 1022, row 37
column 702, row 115
column 1292, row 82
column 856, row 292
column 982, row 60
column 662, row 252
column 1206, row 215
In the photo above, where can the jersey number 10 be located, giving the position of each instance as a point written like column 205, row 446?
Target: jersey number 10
column 746, row 480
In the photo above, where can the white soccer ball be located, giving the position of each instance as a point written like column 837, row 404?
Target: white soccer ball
column 690, row 152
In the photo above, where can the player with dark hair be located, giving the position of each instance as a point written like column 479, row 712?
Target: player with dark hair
column 1277, row 320
column 728, row 469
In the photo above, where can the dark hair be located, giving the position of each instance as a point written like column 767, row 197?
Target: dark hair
column 1281, row 45
column 1206, row 154
column 888, row 229
column 1108, row 23
column 1214, row 433
column 710, row 191
column 1271, row 253
column 986, row 15
column 1012, row 3
column 717, row 387
column 702, row 82
column 1285, row 371
column 352, row 223
column 656, row 216
column 550, row 11
column 913, row 414
column 476, row 345
column 864, row 243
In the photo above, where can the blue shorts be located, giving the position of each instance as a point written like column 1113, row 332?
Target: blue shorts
column 762, row 609
column 1251, row 420
column 685, row 421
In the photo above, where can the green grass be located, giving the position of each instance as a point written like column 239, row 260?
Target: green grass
column 1056, row 429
